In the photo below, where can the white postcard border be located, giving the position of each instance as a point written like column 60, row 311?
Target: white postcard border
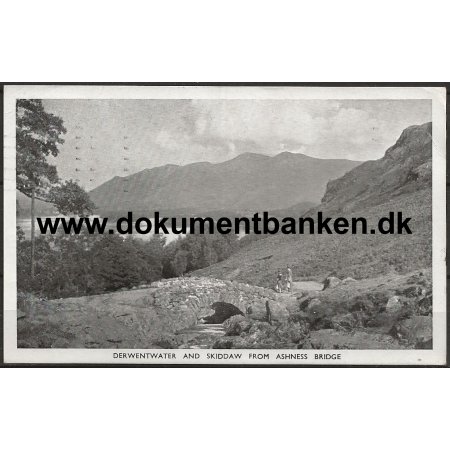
column 437, row 356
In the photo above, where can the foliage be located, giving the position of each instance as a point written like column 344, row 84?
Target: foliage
column 70, row 198
column 197, row 251
column 75, row 265
column 20, row 235
column 179, row 264
column 38, row 137
column 350, row 255
column 84, row 264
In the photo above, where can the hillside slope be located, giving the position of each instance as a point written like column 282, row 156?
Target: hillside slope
column 400, row 181
column 249, row 182
column 405, row 168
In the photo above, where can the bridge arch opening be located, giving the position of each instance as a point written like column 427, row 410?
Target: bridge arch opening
column 222, row 312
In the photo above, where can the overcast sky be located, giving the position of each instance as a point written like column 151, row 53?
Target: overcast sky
column 158, row 132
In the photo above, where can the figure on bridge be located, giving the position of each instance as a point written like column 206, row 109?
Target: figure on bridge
column 284, row 281
column 279, row 286
column 289, row 279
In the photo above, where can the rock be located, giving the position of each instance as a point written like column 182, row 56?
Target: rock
column 314, row 302
column 293, row 332
column 263, row 335
column 348, row 280
column 168, row 341
column 304, row 304
column 223, row 343
column 417, row 279
column 393, row 304
column 361, row 304
column 425, row 305
column 333, row 339
column 261, row 327
column 236, row 325
column 417, row 330
column 299, row 317
column 425, row 344
column 331, row 282
column 382, row 320
column 20, row 314
column 412, row 291
column 344, row 322
column 258, row 310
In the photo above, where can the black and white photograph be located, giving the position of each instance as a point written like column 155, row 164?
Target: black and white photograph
column 225, row 225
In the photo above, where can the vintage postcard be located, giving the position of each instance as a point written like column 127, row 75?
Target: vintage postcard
column 234, row 225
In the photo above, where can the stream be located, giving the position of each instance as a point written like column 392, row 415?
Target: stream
column 202, row 335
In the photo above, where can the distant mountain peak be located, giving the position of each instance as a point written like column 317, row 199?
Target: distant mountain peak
column 290, row 155
column 249, row 156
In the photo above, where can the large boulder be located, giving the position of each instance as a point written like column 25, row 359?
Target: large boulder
column 331, row 282
column 393, row 304
column 345, row 322
column 313, row 303
column 425, row 305
column 263, row 335
column 348, row 280
column 236, row 325
column 267, row 310
column 417, row 331
column 412, row 291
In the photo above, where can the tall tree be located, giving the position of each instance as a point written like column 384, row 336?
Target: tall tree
column 71, row 198
column 38, row 137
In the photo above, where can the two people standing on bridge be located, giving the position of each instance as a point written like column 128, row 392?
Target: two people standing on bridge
column 284, row 280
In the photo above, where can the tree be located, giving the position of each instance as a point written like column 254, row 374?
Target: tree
column 20, row 235
column 116, row 263
column 70, row 198
column 38, row 136
column 179, row 263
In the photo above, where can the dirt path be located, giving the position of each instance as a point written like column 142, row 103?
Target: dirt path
column 298, row 286
column 306, row 286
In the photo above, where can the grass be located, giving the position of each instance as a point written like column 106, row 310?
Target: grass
column 360, row 256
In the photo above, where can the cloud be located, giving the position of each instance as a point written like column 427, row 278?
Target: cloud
column 354, row 125
column 222, row 129
column 184, row 131
column 262, row 121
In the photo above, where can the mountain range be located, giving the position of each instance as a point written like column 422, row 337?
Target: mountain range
column 400, row 181
column 248, row 183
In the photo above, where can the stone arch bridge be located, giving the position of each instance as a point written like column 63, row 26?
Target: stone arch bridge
column 200, row 297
